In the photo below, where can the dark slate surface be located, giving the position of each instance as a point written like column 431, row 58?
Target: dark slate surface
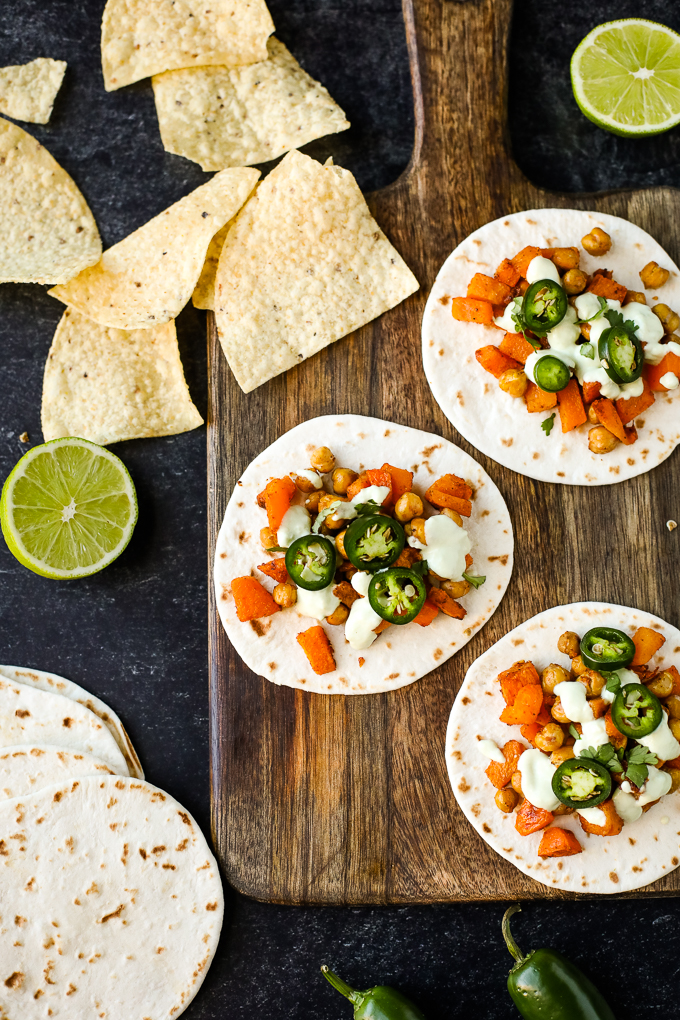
column 136, row 635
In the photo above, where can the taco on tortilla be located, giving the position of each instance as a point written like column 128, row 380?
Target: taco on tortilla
column 548, row 341
column 385, row 549
column 567, row 761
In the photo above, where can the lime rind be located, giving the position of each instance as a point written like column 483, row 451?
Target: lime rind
column 625, row 77
column 68, row 509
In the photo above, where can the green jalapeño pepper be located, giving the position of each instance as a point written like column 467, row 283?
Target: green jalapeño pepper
column 606, row 648
column 582, row 782
column 397, row 595
column 379, row 1003
column 374, row 541
column 310, row 562
column 551, row 373
column 621, row 355
column 544, row 306
column 636, row 712
column 544, row 985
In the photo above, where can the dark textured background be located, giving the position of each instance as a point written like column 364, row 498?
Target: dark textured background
column 136, row 634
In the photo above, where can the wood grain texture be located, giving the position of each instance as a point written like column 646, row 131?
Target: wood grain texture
column 345, row 800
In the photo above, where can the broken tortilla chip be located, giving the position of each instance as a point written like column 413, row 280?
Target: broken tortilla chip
column 204, row 291
column 107, row 385
column 145, row 37
column 28, row 91
column 304, row 264
column 222, row 117
column 148, row 277
column 48, row 232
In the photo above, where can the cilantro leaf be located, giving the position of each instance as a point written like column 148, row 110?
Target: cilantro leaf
column 603, row 305
column 616, row 319
column 276, row 548
column 420, row 568
column 641, row 755
column 637, row 774
column 323, row 515
column 605, row 754
column 574, row 732
column 548, row 423
column 613, row 682
column 517, row 317
column 363, row 509
column 588, row 351
column 476, row 580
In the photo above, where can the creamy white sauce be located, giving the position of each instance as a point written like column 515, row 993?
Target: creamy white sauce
column 654, row 353
column 649, row 327
column 296, row 523
column 658, row 783
column 661, row 741
column 593, row 815
column 505, row 320
column 490, row 749
column 594, row 735
column 572, row 694
column 541, row 268
column 360, row 582
column 312, row 476
column 627, row 807
column 347, row 511
column 669, row 380
column 587, row 305
column 317, row 604
column 361, row 624
column 626, row 676
column 447, row 546
column 626, row 787
column 566, row 332
column 537, row 772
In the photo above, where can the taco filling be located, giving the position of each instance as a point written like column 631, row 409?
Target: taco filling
column 604, row 736
column 580, row 344
column 359, row 549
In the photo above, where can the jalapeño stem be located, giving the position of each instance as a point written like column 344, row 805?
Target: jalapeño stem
column 341, row 986
column 507, row 934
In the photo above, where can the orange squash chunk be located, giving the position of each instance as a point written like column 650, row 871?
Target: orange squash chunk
column 446, row 604
column 316, row 646
column 251, row 599
column 507, row 274
column 515, row 346
column 531, row 819
column 606, row 288
column 427, row 614
column 500, row 775
column 519, row 675
column 591, row 391
column 276, row 497
column 631, row 407
column 647, row 643
column 492, row 359
column 402, row 480
column 613, row 823
column 537, row 399
column 488, row 289
column 556, row 842
column 523, row 258
column 466, row 309
column 609, row 417
column 669, row 363
column 526, row 707
column 276, row 569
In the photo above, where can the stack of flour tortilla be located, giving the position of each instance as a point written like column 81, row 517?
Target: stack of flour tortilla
column 110, row 898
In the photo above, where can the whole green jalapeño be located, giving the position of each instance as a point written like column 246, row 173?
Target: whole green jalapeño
column 544, row 307
column 310, row 562
column 551, row 374
column 582, row 783
column 621, row 354
column 374, row 542
column 606, row 648
column 397, row 595
column 636, row 712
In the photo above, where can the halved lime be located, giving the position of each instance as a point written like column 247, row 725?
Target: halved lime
column 68, row 508
column 626, row 77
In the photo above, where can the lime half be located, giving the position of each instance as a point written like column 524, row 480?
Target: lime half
column 626, row 77
column 68, row 509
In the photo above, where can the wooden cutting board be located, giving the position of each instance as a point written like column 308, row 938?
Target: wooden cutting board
column 345, row 800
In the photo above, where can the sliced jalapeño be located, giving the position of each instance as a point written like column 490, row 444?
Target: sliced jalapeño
column 310, row 562
column 373, row 542
column 636, row 712
column 621, row 355
column 606, row 648
column 397, row 595
column 544, row 307
column 581, row 783
column 551, row 374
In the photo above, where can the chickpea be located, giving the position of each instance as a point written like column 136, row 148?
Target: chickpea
column 453, row 515
column 662, row 685
column 268, row 538
column 574, row 281
column 669, row 319
column 673, row 705
column 340, row 543
column 563, row 753
column 653, row 276
column 506, row 800
column 578, row 666
column 456, row 589
column 635, row 297
column 418, row 529
column 558, row 713
column 593, row 416
column 516, row 782
column 675, row 780
column 566, row 258
column 285, row 595
column 674, row 726
column 597, row 242
column 601, row 440
column 338, row 616
column 342, row 478
column 407, row 507
column 569, row 644
column 322, row 460
column 312, row 501
column 551, row 676
column 304, row 484
column 594, row 683
column 585, row 330
column 550, row 738
column 327, row 498
column 514, row 382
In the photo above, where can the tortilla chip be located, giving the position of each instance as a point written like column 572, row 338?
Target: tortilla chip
column 147, row 278
column 220, row 117
column 28, row 91
column 48, row 232
column 145, row 37
column 204, row 291
column 304, row 264
column 107, row 385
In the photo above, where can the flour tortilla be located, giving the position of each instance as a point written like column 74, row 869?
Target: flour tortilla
column 107, row 385
column 613, row 864
column 221, row 117
column 32, row 714
column 304, row 264
column 146, row 279
column 402, row 654
column 145, row 37
column 497, row 424
column 28, row 91
column 48, row 232
column 110, row 897
column 27, row 768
